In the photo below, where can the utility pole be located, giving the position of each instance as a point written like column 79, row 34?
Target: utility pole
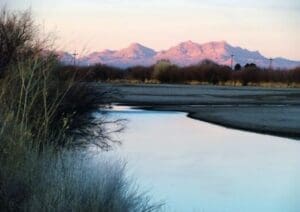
column 74, row 58
column 270, row 66
column 232, row 61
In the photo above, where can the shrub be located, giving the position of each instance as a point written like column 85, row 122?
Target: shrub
column 139, row 73
column 42, row 119
column 165, row 72
column 237, row 67
column 72, row 181
column 51, row 109
column 18, row 37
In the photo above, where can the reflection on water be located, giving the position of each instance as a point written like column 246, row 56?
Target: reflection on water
column 196, row 166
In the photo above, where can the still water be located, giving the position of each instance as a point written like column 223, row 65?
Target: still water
column 197, row 166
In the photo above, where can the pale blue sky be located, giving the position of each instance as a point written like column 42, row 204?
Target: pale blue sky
column 270, row 26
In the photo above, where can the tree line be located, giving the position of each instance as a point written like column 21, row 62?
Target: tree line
column 166, row 72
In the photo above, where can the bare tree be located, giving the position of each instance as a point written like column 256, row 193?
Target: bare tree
column 39, row 102
column 17, row 37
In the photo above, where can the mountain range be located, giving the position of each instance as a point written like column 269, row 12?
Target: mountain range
column 184, row 54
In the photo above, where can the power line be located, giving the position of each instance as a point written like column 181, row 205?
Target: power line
column 270, row 65
column 74, row 58
column 231, row 61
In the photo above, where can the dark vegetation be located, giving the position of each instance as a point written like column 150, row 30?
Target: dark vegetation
column 32, row 91
column 205, row 72
column 44, row 120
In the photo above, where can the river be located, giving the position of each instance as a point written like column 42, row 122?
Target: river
column 196, row 166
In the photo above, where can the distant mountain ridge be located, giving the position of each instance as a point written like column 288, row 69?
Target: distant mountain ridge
column 184, row 54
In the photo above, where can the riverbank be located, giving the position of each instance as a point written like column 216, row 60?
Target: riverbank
column 274, row 120
column 274, row 111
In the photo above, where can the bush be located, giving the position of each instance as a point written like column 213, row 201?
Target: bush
column 18, row 37
column 42, row 118
column 34, row 181
column 47, row 107
column 165, row 72
column 139, row 73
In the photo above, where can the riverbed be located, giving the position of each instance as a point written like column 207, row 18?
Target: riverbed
column 274, row 111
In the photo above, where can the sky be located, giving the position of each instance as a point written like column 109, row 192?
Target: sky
column 270, row 26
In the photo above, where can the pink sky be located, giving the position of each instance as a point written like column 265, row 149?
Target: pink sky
column 272, row 27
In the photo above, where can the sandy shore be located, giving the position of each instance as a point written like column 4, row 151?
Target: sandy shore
column 263, row 110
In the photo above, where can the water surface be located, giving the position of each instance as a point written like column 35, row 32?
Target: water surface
column 197, row 166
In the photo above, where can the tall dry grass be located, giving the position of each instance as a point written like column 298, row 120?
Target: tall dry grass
column 44, row 120
column 35, row 181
